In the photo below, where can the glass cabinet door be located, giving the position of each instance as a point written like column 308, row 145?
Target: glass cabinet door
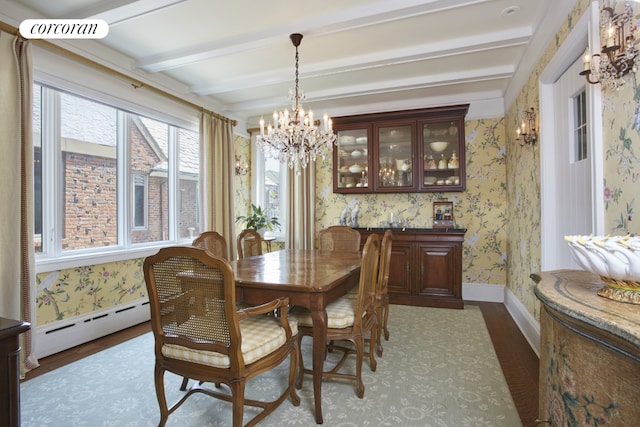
column 395, row 157
column 352, row 160
column 441, row 150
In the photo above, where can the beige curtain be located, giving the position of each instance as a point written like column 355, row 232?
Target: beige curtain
column 16, row 189
column 217, row 172
column 301, row 199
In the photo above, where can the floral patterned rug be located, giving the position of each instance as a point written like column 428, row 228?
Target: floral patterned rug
column 438, row 368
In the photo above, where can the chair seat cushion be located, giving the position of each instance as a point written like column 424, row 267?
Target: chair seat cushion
column 340, row 313
column 261, row 336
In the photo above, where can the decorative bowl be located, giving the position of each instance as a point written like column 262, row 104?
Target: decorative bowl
column 430, row 180
column 355, row 168
column 356, row 153
column 361, row 140
column 616, row 259
column 347, row 139
column 439, row 146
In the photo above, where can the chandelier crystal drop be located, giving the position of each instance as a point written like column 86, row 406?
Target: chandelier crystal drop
column 295, row 138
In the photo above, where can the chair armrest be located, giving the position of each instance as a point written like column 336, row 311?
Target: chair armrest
column 265, row 308
column 270, row 307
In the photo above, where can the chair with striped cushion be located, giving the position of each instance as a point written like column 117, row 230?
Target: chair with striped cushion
column 249, row 243
column 214, row 242
column 349, row 319
column 200, row 334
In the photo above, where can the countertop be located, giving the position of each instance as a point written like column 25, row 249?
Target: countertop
column 573, row 293
column 413, row 230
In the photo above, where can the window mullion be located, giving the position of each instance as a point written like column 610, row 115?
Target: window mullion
column 173, row 176
column 124, row 198
column 52, row 195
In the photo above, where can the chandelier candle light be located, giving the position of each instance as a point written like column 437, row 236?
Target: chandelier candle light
column 618, row 54
column 295, row 138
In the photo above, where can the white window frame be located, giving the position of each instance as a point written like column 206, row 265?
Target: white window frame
column 145, row 201
column 258, row 191
column 63, row 74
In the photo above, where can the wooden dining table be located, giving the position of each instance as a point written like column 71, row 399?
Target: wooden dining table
column 311, row 279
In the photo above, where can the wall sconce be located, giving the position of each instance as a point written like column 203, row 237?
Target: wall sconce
column 618, row 54
column 241, row 166
column 527, row 130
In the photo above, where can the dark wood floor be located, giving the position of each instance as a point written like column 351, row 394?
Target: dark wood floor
column 518, row 361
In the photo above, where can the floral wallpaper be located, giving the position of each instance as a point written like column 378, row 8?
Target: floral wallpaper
column 481, row 209
column 500, row 208
column 621, row 145
column 76, row 291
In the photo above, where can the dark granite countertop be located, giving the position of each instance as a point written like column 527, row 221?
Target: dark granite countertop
column 411, row 229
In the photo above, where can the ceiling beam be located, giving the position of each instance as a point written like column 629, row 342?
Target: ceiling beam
column 460, row 46
column 371, row 14
column 422, row 82
column 117, row 11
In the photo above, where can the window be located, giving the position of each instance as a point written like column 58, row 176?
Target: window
column 269, row 188
column 580, row 130
column 139, row 201
column 107, row 179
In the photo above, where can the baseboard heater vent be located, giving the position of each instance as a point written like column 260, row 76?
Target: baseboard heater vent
column 65, row 334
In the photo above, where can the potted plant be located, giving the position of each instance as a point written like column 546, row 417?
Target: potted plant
column 258, row 220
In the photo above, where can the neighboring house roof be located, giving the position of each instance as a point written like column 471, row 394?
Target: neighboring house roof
column 93, row 122
column 188, row 143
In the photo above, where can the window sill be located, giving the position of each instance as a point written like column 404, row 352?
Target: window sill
column 74, row 260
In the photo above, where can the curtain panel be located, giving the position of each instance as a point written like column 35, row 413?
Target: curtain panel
column 301, row 199
column 217, row 172
column 17, row 259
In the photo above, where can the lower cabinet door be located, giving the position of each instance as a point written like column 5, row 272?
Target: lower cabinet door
column 400, row 269
column 438, row 275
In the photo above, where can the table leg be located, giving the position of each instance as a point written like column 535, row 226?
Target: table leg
column 319, row 319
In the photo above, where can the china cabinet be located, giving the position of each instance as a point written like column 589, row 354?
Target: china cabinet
column 426, row 266
column 400, row 152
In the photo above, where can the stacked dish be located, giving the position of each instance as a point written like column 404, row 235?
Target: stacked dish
column 616, row 259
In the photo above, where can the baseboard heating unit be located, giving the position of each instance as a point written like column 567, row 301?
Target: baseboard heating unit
column 65, row 334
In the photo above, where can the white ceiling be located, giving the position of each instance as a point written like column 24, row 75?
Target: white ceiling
column 357, row 56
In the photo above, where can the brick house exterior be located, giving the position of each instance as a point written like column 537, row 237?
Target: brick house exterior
column 90, row 180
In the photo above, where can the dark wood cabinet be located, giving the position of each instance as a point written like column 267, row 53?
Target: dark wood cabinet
column 10, row 373
column 426, row 266
column 402, row 151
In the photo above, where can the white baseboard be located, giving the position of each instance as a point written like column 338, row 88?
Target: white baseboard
column 482, row 292
column 59, row 336
column 527, row 324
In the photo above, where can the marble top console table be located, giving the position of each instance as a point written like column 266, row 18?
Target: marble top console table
column 589, row 352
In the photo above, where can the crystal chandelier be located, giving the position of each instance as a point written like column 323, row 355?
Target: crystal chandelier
column 295, row 138
column 618, row 55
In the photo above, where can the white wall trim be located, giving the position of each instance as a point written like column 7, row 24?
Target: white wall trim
column 585, row 31
column 483, row 292
column 59, row 336
column 527, row 324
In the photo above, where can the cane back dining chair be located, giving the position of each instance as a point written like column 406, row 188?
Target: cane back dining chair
column 348, row 319
column 382, row 291
column 339, row 238
column 214, row 242
column 199, row 333
column 249, row 243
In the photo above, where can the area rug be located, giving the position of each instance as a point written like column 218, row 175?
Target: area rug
column 439, row 368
